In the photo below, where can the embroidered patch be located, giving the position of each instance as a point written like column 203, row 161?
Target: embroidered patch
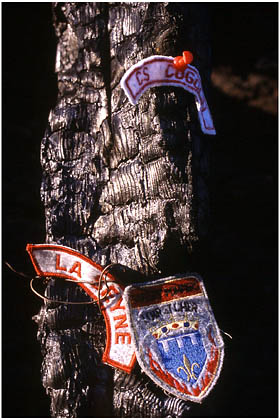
column 158, row 70
column 177, row 340
column 61, row 261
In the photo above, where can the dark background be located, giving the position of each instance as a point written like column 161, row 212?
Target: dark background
column 241, row 275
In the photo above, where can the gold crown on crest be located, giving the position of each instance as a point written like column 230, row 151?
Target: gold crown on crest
column 165, row 329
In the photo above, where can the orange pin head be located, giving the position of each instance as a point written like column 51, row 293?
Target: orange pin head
column 181, row 62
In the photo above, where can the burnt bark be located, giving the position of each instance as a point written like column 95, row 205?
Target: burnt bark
column 121, row 184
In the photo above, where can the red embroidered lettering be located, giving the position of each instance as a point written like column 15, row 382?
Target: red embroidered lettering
column 76, row 268
column 110, row 293
column 122, row 323
column 146, row 74
column 118, row 305
column 57, row 266
column 181, row 73
column 122, row 335
column 139, row 76
column 138, row 73
column 189, row 77
column 167, row 74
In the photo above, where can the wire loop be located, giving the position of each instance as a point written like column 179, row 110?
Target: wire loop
column 46, row 299
column 106, row 284
column 46, row 279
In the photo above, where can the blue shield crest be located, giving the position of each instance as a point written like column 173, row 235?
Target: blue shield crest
column 177, row 340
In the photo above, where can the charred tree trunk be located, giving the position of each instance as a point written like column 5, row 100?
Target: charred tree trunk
column 121, row 184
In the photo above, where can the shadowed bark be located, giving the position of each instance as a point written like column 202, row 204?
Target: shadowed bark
column 121, row 184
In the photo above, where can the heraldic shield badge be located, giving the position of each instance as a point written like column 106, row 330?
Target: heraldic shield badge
column 176, row 337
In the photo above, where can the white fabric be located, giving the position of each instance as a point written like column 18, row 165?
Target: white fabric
column 60, row 261
column 158, row 70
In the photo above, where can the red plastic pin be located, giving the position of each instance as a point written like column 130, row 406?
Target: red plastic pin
column 181, row 62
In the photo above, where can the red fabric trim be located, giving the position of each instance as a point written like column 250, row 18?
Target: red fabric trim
column 105, row 358
column 29, row 249
column 207, row 379
column 165, row 292
column 166, row 81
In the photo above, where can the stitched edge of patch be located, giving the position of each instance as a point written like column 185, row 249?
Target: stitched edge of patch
column 113, row 311
column 219, row 350
column 156, row 71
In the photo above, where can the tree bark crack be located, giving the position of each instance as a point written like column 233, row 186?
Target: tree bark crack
column 121, row 184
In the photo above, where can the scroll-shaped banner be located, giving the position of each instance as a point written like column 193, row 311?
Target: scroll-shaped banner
column 158, row 70
column 61, row 261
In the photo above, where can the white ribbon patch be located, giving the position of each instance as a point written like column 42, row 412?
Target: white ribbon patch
column 61, row 261
column 158, row 70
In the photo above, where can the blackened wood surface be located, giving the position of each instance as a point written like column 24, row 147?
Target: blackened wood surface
column 121, row 184
column 243, row 251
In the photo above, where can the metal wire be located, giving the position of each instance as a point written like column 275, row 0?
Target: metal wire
column 47, row 299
